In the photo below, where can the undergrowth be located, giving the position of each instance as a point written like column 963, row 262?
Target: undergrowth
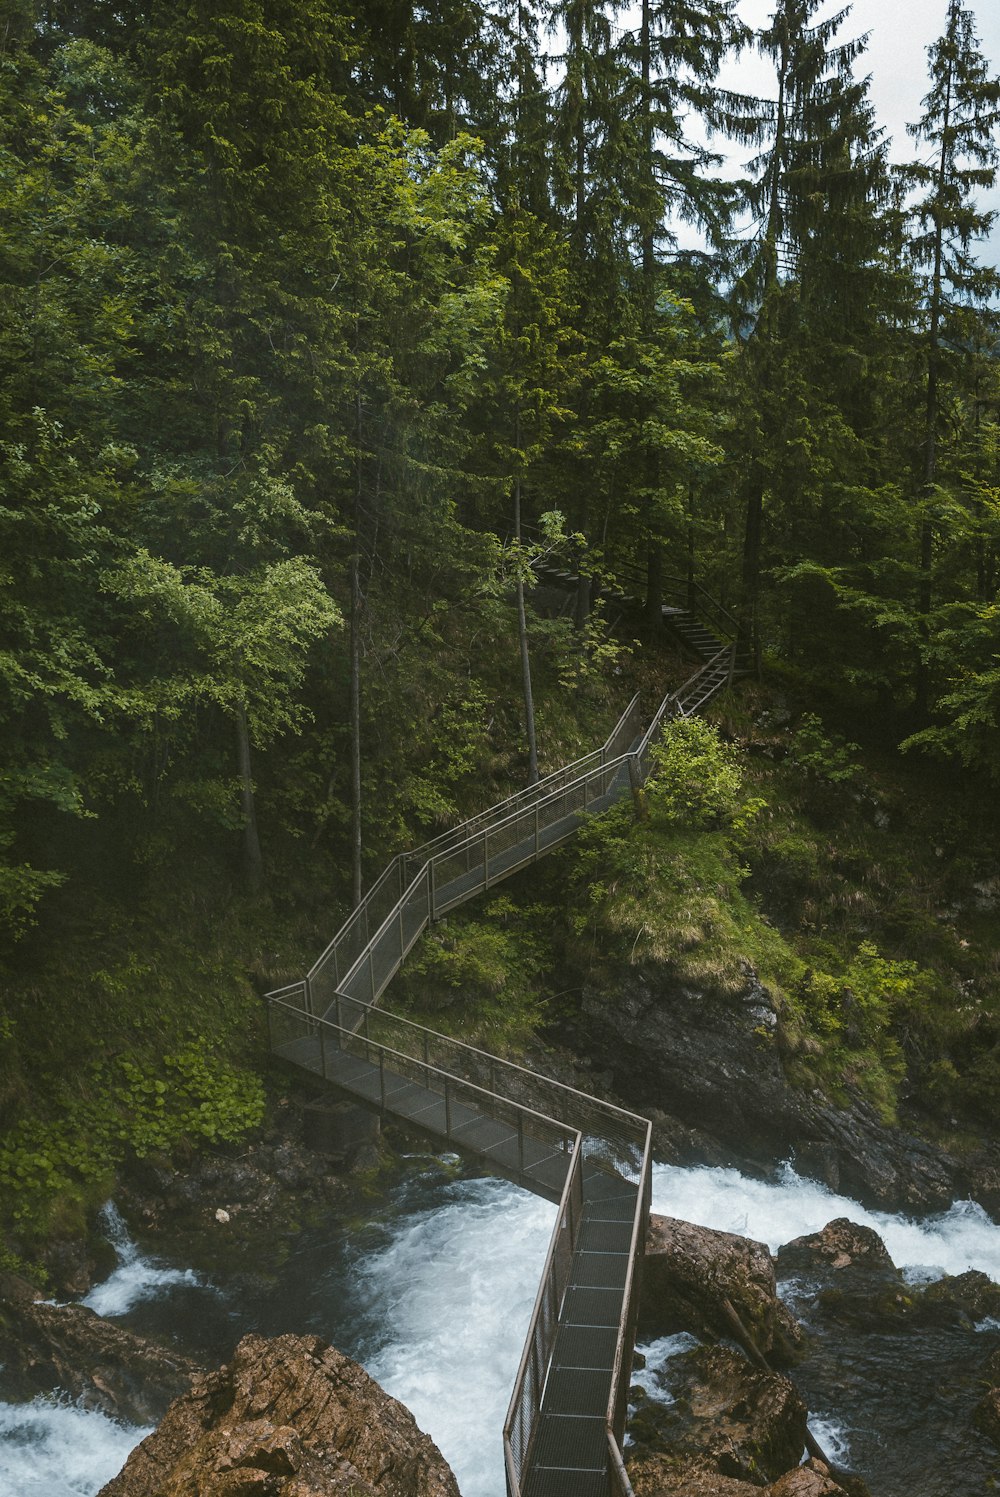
column 781, row 853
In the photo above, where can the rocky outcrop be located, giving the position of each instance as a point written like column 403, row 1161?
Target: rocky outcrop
column 840, row 1244
column 696, row 1279
column 68, row 1347
column 725, row 1417
column 288, row 1417
column 219, row 1207
column 715, row 1061
column 854, row 1282
column 666, row 1476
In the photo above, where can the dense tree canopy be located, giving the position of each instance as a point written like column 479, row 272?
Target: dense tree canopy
column 308, row 309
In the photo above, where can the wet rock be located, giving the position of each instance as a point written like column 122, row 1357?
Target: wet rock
column 840, row 1244
column 288, row 1417
column 961, row 1299
column 338, row 1128
column 814, row 1479
column 982, row 1183
column 695, row 1279
column 68, row 1347
column 726, row 1416
column 264, row 1192
column 679, row 1476
column 987, row 1416
column 715, row 1061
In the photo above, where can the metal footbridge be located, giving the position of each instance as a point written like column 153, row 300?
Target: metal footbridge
column 565, row 1425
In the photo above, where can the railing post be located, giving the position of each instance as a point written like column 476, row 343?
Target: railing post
column 322, row 1050
column 371, row 973
column 307, row 986
column 431, row 890
column 381, row 1079
column 270, row 1027
column 427, row 1056
column 520, row 1140
column 536, row 829
column 447, row 1106
column 368, row 1037
column 486, row 857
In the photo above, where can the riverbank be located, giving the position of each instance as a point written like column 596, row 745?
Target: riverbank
column 428, row 1279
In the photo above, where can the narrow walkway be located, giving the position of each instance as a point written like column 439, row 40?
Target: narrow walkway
column 565, row 1425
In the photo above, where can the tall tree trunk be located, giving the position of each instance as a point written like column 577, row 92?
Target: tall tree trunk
column 253, row 862
column 924, row 590
column 522, row 636
column 355, row 646
column 654, row 589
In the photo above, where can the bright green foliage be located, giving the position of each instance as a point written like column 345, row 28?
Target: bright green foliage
column 191, row 1096
column 696, row 779
column 823, row 758
column 481, row 978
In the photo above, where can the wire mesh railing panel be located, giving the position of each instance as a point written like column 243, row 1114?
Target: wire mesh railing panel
column 526, row 1399
column 415, row 910
column 546, row 1132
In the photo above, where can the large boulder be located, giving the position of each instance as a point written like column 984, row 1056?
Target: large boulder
column 695, row 1279
column 840, row 1244
column 288, row 1417
column 68, row 1347
column 741, row 1422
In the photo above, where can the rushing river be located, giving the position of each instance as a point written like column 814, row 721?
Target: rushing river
column 432, row 1294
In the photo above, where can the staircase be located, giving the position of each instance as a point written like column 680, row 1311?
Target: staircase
column 565, row 1424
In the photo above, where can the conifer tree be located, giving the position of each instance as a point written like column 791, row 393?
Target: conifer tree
column 960, row 126
column 795, row 130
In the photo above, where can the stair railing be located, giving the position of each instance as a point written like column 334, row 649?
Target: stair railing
column 336, row 1003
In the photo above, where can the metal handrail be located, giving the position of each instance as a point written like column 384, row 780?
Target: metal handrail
column 529, row 792
column 623, row 1137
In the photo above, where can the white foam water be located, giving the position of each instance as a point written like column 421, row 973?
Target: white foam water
column 52, row 1448
column 449, row 1296
column 774, row 1212
column 136, row 1278
column 456, row 1286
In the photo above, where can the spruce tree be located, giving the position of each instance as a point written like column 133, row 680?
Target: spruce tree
column 794, row 131
column 959, row 125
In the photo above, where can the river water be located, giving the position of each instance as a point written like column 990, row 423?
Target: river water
column 432, row 1292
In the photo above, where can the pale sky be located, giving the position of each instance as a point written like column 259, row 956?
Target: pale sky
column 899, row 33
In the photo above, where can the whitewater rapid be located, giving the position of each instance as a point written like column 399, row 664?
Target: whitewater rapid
column 440, row 1300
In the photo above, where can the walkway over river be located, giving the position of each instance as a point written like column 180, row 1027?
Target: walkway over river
column 565, row 1424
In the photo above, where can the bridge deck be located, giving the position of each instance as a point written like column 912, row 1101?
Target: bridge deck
column 565, row 1425
column 569, row 1457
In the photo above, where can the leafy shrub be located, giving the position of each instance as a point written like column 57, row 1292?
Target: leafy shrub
column 696, row 779
column 195, row 1095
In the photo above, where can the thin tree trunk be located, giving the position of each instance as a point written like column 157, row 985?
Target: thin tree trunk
column 254, row 863
column 749, row 628
column 355, row 646
column 925, row 590
column 654, row 589
column 522, row 636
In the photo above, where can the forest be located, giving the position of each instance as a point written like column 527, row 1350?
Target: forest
column 322, row 329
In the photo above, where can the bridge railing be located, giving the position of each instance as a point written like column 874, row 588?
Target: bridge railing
column 321, row 1044
column 333, row 1011
column 494, row 851
column 619, row 739
column 520, row 1426
column 355, row 935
